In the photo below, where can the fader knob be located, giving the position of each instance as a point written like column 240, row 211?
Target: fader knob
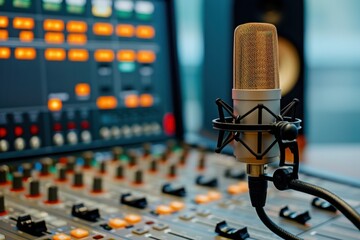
column 97, row 186
column 132, row 159
column 70, row 164
column 17, row 182
column 116, row 153
column 202, row 161
column 34, row 188
column 153, row 165
column 172, row 171
column 62, row 177
column 88, row 159
column 52, row 196
column 78, row 179
column 26, row 224
column 27, row 170
column 147, row 149
column 45, row 166
column 3, row 174
column 138, row 177
column 102, row 168
column 120, row 172
column 2, row 204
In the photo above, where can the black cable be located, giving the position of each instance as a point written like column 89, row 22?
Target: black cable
column 273, row 227
column 332, row 198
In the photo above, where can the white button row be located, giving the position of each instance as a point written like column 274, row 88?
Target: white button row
column 128, row 131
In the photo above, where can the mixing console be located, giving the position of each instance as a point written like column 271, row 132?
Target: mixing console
column 155, row 192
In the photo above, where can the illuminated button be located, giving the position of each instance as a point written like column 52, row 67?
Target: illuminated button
column 23, row 23
column 126, row 130
column 4, row 35
column 86, row 136
column 76, row 38
column 144, row 9
column 79, row 233
column 117, row 223
column 26, row 36
column 19, row 144
column 54, row 38
column 76, row 26
column 103, row 29
column 4, row 145
column 146, row 100
column 101, row 8
column 4, row 53
column 105, row 133
column 164, row 210
column 72, row 138
column 25, row 53
column 53, row 25
column 61, row 236
column 136, row 129
column 239, row 188
column 82, row 89
column 131, row 101
column 125, row 30
column 115, row 131
column 177, row 206
column 78, row 55
column 202, row 199
column 57, row 127
column 3, row 132
column 146, row 56
column 85, row 124
column 126, row 67
column 55, row 54
column 75, row 6
column 146, row 32
column 124, row 8
column 58, row 139
column 169, row 124
column 51, row 5
column 104, row 55
column 54, row 104
column 34, row 130
column 126, row 56
column 214, row 195
column 35, row 142
column 132, row 218
column 4, row 22
column 18, row 131
column 106, row 102
column 21, row 3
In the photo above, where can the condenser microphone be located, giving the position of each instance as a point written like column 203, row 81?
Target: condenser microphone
column 256, row 83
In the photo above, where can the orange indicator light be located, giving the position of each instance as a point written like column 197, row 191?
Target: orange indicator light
column 131, row 101
column 146, row 100
column 26, row 36
column 106, row 102
column 104, row 55
column 76, row 26
column 75, row 38
column 25, row 53
column 145, row 32
column 53, row 25
column 55, row 54
column 125, row 56
column 125, row 30
column 4, row 35
column 4, row 53
column 103, row 29
column 82, row 89
column 54, row 104
column 78, row 55
column 54, row 38
column 4, row 22
column 23, row 23
column 145, row 56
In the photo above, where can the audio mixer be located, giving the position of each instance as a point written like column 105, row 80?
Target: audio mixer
column 91, row 136
column 155, row 192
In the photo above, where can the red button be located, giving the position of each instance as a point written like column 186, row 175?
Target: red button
column 169, row 124
column 34, row 130
column 85, row 124
column 18, row 131
column 71, row 125
column 3, row 132
column 57, row 127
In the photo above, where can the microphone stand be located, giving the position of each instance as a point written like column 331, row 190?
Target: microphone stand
column 285, row 129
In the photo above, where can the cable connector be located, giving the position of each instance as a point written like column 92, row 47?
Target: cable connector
column 257, row 191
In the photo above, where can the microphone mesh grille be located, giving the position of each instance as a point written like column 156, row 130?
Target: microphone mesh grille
column 256, row 60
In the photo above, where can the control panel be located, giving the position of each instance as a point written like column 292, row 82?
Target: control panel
column 84, row 74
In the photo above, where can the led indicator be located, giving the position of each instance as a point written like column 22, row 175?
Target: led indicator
column 131, row 101
column 103, row 29
column 146, row 100
column 34, row 130
column 3, row 132
column 4, row 35
column 126, row 56
column 25, row 53
column 101, row 8
column 85, row 124
column 76, row 26
column 26, row 36
column 78, row 55
column 82, row 89
column 54, row 38
column 146, row 32
column 145, row 56
column 169, row 124
column 4, row 53
column 104, row 55
column 106, row 102
column 23, row 23
column 57, row 127
column 71, row 125
column 55, row 54
column 76, row 39
column 4, row 22
column 18, row 131
column 125, row 30
column 53, row 25
column 54, row 104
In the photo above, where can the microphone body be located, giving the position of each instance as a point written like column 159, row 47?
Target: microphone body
column 256, row 82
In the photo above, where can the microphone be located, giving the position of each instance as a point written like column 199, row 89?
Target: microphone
column 256, row 83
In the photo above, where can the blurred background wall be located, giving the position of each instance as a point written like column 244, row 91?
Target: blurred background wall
column 332, row 72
